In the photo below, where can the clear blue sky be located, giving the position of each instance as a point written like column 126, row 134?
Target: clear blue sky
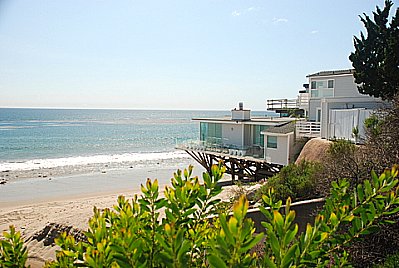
column 207, row 54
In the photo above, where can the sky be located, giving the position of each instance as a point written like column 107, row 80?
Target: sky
column 202, row 54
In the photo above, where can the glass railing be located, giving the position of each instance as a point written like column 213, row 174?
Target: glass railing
column 215, row 145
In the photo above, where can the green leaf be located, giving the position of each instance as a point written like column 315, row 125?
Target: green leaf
column 249, row 245
column 367, row 188
column 289, row 257
column 333, row 219
column 269, row 263
column 290, row 235
column 370, row 230
column 274, row 244
column 216, row 261
column 360, row 192
column 183, row 251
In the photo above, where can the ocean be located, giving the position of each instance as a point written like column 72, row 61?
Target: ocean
column 43, row 138
column 50, row 138
column 52, row 154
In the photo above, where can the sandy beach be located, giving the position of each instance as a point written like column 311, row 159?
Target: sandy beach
column 39, row 204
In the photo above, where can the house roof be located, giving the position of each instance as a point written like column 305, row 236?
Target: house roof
column 252, row 121
column 281, row 129
column 336, row 72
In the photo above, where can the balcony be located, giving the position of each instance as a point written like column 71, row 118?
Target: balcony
column 282, row 104
column 308, row 129
column 303, row 101
column 216, row 146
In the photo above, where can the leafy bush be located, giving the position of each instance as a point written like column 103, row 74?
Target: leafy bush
column 13, row 253
column 190, row 235
column 346, row 216
column 295, row 181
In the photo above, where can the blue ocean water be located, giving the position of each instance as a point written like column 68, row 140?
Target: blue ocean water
column 30, row 135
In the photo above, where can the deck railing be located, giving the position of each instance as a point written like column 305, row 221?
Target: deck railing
column 255, row 151
column 282, row 104
column 308, row 129
column 303, row 100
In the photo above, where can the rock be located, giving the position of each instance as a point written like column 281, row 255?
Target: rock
column 53, row 230
column 3, row 182
column 314, row 150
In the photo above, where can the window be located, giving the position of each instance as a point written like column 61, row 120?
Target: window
column 203, row 131
column 322, row 88
column 258, row 139
column 314, row 93
column 211, row 132
column 318, row 118
column 272, row 142
column 313, row 85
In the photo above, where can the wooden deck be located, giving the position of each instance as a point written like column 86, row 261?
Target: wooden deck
column 240, row 167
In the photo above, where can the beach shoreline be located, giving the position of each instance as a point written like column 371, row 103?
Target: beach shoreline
column 31, row 211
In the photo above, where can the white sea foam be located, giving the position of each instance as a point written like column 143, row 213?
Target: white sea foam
column 87, row 160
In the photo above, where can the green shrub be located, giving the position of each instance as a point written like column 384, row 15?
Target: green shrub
column 190, row 234
column 295, row 181
column 13, row 253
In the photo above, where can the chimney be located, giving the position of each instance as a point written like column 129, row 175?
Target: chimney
column 240, row 114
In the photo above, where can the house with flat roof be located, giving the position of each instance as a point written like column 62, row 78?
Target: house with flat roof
column 240, row 134
column 251, row 147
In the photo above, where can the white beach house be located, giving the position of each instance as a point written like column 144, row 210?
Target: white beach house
column 329, row 107
column 241, row 134
column 335, row 106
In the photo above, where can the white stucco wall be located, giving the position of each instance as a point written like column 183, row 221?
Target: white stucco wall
column 279, row 155
column 232, row 134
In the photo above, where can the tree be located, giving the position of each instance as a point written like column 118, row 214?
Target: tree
column 376, row 56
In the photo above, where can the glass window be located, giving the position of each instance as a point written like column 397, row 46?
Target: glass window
column 272, row 142
column 321, row 84
column 203, row 131
column 314, row 93
column 330, row 83
column 214, row 133
column 328, row 92
column 313, row 85
column 258, row 138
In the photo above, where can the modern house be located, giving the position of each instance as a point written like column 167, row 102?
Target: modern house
column 243, row 141
column 329, row 107
column 336, row 104
column 244, row 135
column 335, row 107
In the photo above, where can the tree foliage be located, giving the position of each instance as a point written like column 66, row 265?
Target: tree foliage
column 134, row 234
column 376, row 55
column 383, row 137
